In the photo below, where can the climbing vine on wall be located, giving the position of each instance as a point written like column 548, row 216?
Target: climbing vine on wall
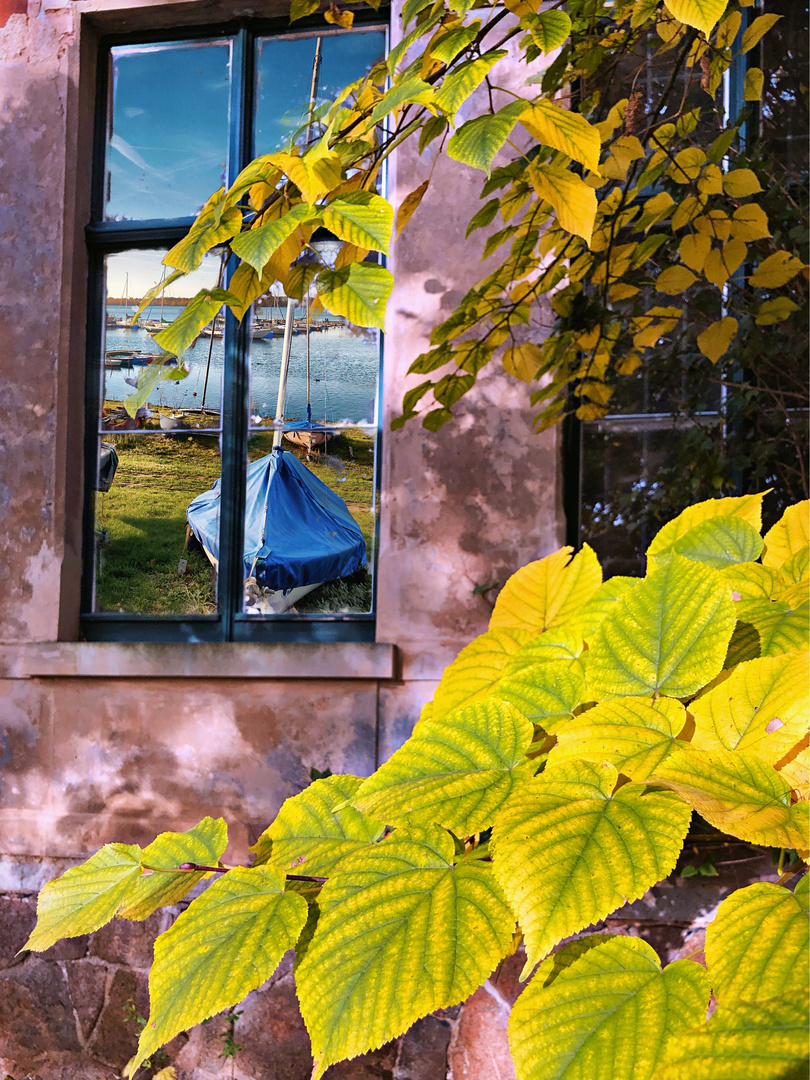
column 637, row 213
column 551, row 779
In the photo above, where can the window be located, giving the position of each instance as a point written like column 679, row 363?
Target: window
column 670, row 422
column 240, row 501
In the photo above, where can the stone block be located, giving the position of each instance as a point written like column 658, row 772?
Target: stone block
column 87, row 983
column 36, row 1011
column 124, row 941
column 115, row 1037
column 17, row 918
column 423, row 1050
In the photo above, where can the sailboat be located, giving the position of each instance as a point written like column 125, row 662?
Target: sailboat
column 122, row 322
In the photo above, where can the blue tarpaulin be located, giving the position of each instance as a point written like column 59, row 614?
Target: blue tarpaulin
column 309, row 534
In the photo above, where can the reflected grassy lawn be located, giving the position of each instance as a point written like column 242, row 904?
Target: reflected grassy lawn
column 141, row 522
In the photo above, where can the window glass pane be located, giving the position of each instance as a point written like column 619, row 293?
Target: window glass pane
column 784, row 99
column 154, row 463
column 310, row 516
column 144, row 485
column 168, row 128
column 284, row 69
column 127, row 351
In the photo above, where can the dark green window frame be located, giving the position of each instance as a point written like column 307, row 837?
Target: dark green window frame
column 111, row 237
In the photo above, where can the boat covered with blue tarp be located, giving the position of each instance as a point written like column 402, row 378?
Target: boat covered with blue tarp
column 298, row 532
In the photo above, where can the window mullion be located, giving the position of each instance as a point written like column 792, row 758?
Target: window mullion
column 235, row 388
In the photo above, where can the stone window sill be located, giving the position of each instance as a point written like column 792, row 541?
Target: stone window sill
column 225, row 660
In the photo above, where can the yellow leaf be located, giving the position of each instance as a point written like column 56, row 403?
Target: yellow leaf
column 721, row 264
column 564, row 130
column 715, row 224
column 349, row 253
column 334, row 15
column 741, row 182
column 409, row 205
column 777, row 270
column 621, row 291
column 687, row 165
column 573, row 201
column 317, row 172
column 657, row 322
column 623, row 151
column 756, row 30
column 523, row 361
column 674, row 280
column 788, row 536
column 694, row 250
column 762, row 706
column 752, row 85
column 687, row 211
column 749, row 222
column 795, row 768
column 775, row 311
column 547, row 592
column 655, row 209
column 714, row 341
column 701, row 14
column 628, row 364
column 711, row 181
column 728, row 30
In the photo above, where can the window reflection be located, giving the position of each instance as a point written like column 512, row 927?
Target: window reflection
column 284, row 76
column 168, row 136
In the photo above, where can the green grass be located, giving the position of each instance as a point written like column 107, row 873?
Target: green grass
column 143, row 518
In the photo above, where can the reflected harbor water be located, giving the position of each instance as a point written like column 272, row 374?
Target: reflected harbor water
column 344, row 366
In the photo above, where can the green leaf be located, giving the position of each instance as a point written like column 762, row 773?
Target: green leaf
column 455, row 771
column 155, row 291
column 409, row 91
column 668, row 635
column 85, row 897
column 781, row 629
column 593, row 611
column 197, row 313
column 756, row 947
column 744, row 1041
column 225, row 944
column 563, row 130
column 148, row 378
column 478, row 141
column 216, row 223
column 393, row 942
column 204, row 844
column 484, row 216
column 477, row 668
column 762, row 706
column 359, row 291
column 257, row 245
column 299, row 9
column 747, row 507
column 701, row 14
column 459, row 84
column 316, row 829
column 454, row 41
column 739, row 793
column 546, row 693
column 602, row 1008
column 547, row 592
column 568, row 849
column 720, row 542
column 551, row 30
column 632, row 734
column 573, row 200
column 362, row 218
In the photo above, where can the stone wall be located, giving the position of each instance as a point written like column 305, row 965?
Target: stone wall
column 66, row 1014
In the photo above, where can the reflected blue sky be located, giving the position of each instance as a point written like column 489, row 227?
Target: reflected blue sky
column 284, row 78
column 169, row 142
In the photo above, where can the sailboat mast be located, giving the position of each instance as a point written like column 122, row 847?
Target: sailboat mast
column 288, row 322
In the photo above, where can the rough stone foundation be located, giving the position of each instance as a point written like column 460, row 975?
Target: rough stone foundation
column 64, row 1013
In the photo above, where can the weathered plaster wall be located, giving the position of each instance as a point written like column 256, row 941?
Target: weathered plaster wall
column 118, row 748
